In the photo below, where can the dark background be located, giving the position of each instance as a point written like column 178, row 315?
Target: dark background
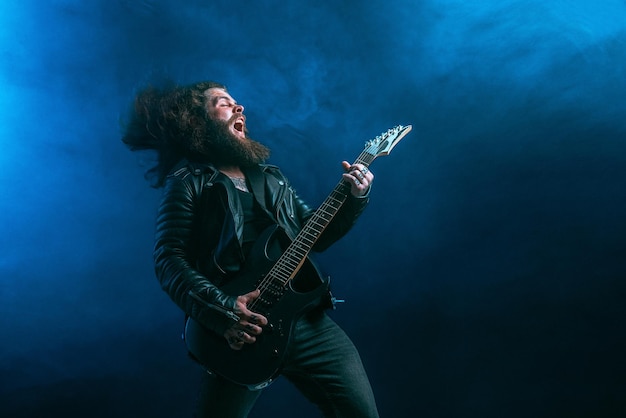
column 486, row 279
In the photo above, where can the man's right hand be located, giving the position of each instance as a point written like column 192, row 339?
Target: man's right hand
column 249, row 325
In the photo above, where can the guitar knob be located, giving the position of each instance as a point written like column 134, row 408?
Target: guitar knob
column 275, row 352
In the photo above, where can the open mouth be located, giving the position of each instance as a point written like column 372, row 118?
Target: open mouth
column 239, row 125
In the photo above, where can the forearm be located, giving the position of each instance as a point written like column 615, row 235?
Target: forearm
column 197, row 296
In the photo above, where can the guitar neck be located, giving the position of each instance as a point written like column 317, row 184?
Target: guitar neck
column 292, row 259
column 327, row 210
column 294, row 256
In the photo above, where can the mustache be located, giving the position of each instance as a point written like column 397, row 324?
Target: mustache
column 236, row 116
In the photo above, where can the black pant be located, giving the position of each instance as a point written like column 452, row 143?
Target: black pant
column 322, row 363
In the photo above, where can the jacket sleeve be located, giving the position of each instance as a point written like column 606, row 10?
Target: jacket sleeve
column 174, row 256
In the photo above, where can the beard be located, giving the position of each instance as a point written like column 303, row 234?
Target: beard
column 216, row 144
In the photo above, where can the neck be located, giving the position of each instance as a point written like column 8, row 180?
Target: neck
column 236, row 176
column 231, row 171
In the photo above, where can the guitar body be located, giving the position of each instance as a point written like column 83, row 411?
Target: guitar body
column 257, row 364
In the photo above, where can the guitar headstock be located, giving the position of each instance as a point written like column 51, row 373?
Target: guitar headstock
column 384, row 143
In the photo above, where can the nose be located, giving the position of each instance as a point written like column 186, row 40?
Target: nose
column 238, row 108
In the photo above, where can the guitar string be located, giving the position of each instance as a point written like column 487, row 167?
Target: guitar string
column 284, row 263
column 272, row 276
column 297, row 244
column 300, row 247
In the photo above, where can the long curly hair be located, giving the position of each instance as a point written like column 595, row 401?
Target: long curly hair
column 172, row 121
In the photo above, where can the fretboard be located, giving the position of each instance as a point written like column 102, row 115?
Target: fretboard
column 292, row 259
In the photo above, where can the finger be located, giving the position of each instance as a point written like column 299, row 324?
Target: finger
column 254, row 319
column 350, row 179
column 362, row 172
column 358, row 175
column 252, row 295
column 359, row 171
column 354, row 181
column 246, row 315
column 363, row 175
column 350, row 168
column 245, row 337
column 367, row 174
column 237, row 337
column 252, row 329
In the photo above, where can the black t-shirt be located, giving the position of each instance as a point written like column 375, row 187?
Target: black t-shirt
column 255, row 219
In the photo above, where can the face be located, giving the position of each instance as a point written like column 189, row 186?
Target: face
column 223, row 108
column 225, row 140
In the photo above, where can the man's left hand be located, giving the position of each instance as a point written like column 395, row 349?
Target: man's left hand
column 359, row 177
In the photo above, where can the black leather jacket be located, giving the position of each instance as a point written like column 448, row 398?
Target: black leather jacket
column 199, row 234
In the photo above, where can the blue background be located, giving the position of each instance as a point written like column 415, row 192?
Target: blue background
column 486, row 278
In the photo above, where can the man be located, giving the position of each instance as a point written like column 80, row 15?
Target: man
column 218, row 197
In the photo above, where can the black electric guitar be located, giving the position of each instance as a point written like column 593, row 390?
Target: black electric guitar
column 289, row 285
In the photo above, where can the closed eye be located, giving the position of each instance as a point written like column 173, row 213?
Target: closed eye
column 224, row 102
